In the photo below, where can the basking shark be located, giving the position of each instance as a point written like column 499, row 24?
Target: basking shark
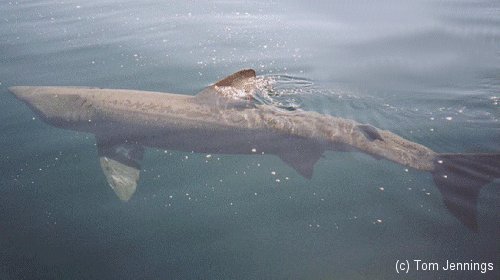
column 225, row 118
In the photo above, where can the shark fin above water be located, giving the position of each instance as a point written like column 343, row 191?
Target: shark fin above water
column 120, row 165
column 235, row 90
column 237, row 80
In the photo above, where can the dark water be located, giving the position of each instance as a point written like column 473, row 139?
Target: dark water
column 426, row 70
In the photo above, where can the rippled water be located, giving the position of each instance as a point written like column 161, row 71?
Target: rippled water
column 426, row 70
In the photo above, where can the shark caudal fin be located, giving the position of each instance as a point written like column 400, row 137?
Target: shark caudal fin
column 460, row 177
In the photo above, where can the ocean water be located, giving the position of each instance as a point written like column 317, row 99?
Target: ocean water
column 426, row 70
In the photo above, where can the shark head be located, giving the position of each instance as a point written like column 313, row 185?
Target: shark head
column 59, row 106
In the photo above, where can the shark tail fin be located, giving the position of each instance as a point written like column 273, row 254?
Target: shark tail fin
column 460, row 177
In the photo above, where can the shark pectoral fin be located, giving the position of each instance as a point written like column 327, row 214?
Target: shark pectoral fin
column 302, row 161
column 120, row 164
column 460, row 177
column 370, row 132
column 121, row 177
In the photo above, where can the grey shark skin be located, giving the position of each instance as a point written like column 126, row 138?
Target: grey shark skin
column 222, row 119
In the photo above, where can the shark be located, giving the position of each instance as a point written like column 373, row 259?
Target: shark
column 226, row 118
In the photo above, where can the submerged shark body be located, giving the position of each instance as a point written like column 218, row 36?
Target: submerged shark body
column 223, row 119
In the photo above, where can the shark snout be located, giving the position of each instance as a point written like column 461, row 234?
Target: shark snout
column 62, row 104
column 22, row 92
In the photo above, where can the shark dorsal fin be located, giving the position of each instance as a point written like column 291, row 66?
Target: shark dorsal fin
column 370, row 132
column 236, row 90
column 238, row 79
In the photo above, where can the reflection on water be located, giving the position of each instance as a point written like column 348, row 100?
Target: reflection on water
column 426, row 70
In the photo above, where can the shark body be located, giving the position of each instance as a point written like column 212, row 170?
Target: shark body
column 223, row 119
